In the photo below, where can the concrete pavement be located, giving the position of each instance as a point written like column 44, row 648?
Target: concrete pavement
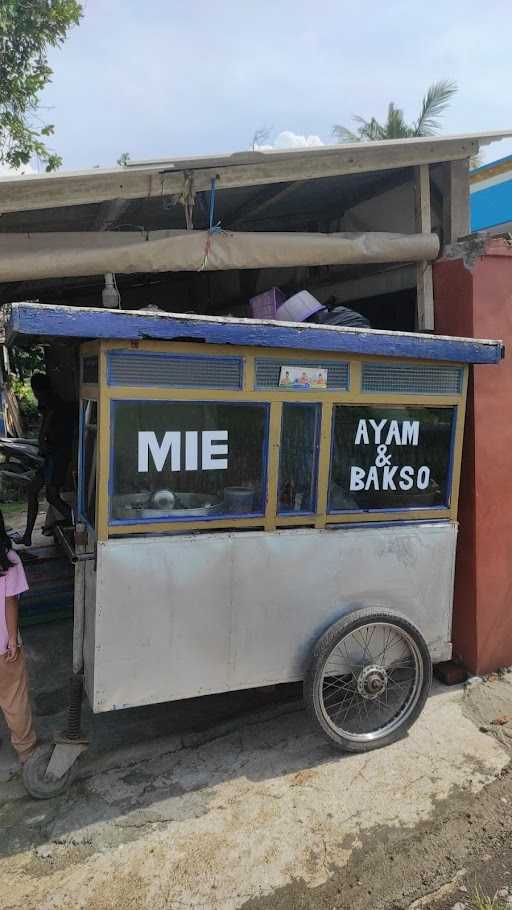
column 235, row 820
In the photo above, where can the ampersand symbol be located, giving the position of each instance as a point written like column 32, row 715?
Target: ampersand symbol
column 382, row 459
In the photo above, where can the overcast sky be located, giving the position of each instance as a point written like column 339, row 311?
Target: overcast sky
column 160, row 78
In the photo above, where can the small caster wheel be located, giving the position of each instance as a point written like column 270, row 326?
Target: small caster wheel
column 39, row 784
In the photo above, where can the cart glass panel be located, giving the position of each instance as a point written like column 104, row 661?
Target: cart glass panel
column 88, row 458
column 298, row 458
column 391, row 457
column 174, row 460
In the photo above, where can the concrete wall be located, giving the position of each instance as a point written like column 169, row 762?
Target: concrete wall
column 473, row 296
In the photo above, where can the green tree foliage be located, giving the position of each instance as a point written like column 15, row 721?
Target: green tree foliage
column 27, row 361
column 434, row 104
column 23, row 363
column 28, row 29
column 123, row 159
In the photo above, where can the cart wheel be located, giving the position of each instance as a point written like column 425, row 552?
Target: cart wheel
column 34, row 775
column 369, row 679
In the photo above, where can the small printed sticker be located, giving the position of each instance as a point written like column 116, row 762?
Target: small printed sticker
column 303, row 378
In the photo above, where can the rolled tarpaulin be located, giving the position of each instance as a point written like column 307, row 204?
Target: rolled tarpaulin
column 28, row 257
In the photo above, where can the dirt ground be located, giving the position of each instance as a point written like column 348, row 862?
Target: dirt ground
column 235, row 801
column 465, row 846
column 259, row 812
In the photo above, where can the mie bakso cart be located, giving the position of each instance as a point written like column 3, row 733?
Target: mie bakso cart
column 263, row 503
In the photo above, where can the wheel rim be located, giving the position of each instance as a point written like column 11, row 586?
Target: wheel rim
column 371, row 682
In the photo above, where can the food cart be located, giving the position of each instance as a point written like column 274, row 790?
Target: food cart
column 258, row 503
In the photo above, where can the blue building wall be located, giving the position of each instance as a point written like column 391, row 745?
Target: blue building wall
column 491, row 194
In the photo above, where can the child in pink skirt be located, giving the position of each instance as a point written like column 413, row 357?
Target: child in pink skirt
column 14, row 697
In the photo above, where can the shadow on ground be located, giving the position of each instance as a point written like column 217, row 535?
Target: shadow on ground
column 157, row 764
column 164, row 767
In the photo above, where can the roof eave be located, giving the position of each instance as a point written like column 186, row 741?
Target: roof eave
column 35, row 320
column 167, row 177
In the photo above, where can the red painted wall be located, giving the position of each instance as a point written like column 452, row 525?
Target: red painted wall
column 475, row 299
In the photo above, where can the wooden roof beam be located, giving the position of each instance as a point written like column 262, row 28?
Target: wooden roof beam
column 456, row 214
column 424, row 284
column 51, row 191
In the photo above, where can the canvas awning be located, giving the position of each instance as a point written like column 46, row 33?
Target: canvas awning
column 53, row 255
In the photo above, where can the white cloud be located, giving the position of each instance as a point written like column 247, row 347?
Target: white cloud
column 289, row 140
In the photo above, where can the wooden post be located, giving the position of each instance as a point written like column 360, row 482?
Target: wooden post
column 424, row 286
column 456, row 223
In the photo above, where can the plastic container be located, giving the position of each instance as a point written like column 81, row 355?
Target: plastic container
column 264, row 306
column 238, row 500
column 299, row 307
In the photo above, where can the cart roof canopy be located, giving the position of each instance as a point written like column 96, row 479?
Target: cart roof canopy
column 37, row 322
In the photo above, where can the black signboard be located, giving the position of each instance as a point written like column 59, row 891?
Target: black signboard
column 390, row 457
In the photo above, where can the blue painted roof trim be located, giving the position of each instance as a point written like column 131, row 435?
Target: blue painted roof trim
column 80, row 322
column 490, row 165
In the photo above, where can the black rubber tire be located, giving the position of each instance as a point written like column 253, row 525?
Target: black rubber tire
column 33, row 774
column 323, row 648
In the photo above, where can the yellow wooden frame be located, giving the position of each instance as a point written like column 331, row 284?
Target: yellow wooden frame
column 328, row 398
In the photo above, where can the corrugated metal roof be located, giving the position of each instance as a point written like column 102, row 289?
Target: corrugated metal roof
column 505, row 162
column 144, row 180
column 195, row 162
column 254, row 156
column 493, row 172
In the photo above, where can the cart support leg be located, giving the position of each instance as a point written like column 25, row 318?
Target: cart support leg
column 70, row 744
column 73, row 728
column 79, row 601
column 63, row 758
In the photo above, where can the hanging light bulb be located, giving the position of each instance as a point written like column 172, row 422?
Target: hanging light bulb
column 110, row 296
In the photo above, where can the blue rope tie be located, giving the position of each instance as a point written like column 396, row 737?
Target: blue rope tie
column 213, row 228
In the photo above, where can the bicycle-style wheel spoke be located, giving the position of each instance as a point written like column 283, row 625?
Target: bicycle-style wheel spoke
column 371, row 680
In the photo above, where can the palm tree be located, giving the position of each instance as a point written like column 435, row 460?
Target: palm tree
column 434, row 104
